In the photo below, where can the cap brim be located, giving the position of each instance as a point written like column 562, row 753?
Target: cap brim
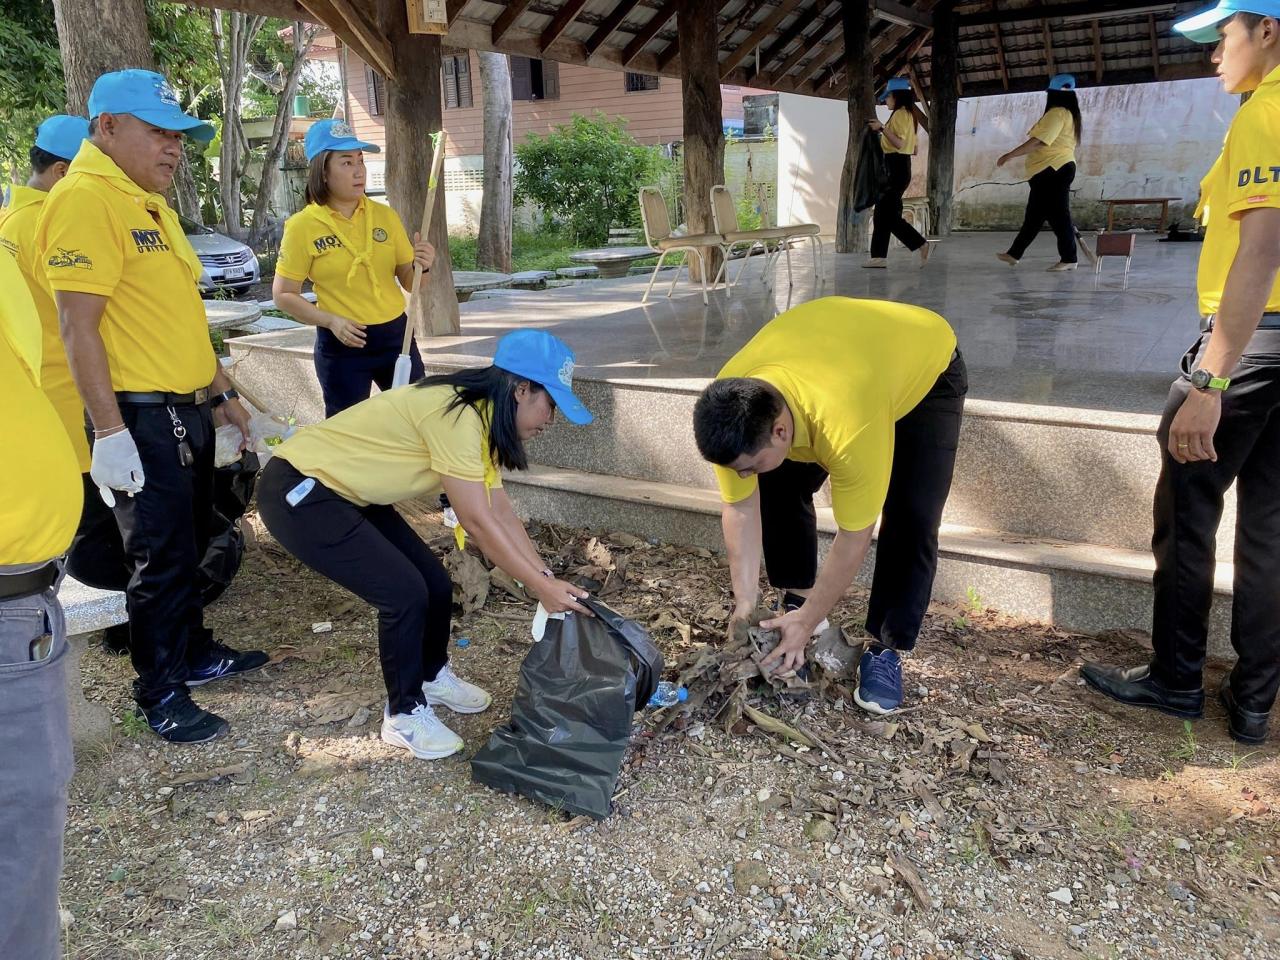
column 193, row 127
column 343, row 145
column 568, row 404
column 1203, row 27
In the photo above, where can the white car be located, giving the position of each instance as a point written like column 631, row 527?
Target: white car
column 228, row 264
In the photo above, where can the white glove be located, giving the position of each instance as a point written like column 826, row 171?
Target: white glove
column 116, row 466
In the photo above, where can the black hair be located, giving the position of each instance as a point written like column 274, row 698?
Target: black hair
column 42, row 160
column 1250, row 21
column 734, row 417
column 93, row 127
column 1068, row 100
column 904, row 100
column 474, row 386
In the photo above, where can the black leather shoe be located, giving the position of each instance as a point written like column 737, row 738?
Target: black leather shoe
column 1243, row 725
column 1135, row 687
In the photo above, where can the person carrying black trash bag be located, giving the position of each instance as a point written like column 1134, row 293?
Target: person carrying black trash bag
column 327, row 496
column 1221, row 424
column 898, row 142
column 869, row 394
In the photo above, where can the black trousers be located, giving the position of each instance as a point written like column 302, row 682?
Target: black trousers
column 887, row 217
column 347, row 374
column 165, row 529
column 924, row 458
column 375, row 554
column 1049, row 199
column 1188, row 508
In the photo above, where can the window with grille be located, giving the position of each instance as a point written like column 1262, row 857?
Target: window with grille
column 456, row 81
column 636, row 82
column 534, row 79
column 377, row 92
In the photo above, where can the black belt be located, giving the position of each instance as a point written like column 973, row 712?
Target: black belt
column 30, row 583
column 1270, row 321
column 160, row 399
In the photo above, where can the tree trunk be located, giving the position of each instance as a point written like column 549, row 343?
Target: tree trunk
column 186, row 197
column 233, row 34
column 942, row 117
column 96, row 38
column 413, row 114
column 493, row 247
column 303, row 35
column 862, row 107
column 703, row 123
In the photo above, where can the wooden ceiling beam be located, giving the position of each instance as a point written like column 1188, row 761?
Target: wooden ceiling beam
column 822, row 56
column 455, row 8
column 901, row 14
column 1000, row 58
column 765, row 27
column 660, row 19
column 565, row 16
column 787, row 37
column 739, row 21
column 1097, row 52
column 1050, row 11
column 507, row 19
column 1155, row 45
column 1048, row 47
column 351, row 27
column 807, row 45
column 610, row 25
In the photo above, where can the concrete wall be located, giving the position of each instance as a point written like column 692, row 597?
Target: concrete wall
column 1154, row 139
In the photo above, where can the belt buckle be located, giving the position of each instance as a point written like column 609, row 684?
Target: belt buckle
column 201, row 395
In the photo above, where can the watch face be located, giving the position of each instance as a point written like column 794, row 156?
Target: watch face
column 1200, row 379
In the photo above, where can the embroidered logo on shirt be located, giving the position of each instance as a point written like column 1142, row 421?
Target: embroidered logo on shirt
column 70, row 258
column 566, row 373
column 1258, row 175
column 149, row 241
column 331, row 242
column 379, row 234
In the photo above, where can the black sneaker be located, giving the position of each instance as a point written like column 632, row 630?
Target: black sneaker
column 177, row 719
column 220, row 662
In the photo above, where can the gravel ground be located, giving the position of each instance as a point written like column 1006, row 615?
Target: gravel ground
column 1006, row 813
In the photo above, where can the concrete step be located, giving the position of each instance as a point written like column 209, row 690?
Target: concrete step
column 1078, row 586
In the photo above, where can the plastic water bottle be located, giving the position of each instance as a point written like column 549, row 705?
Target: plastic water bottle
column 668, row 695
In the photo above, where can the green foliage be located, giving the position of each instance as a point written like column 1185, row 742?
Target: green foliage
column 30, row 76
column 530, row 250
column 585, row 176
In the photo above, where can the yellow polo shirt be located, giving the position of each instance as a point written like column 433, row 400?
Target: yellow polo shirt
column 1057, row 131
column 100, row 233
column 18, row 235
column 903, row 126
column 40, row 502
column 1246, row 176
column 848, row 370
column 323, row 246
column 394, row 446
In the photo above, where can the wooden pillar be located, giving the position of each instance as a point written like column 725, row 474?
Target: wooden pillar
column 862, row 107
column 413, row 114
column 942, row 117
column 703, row 124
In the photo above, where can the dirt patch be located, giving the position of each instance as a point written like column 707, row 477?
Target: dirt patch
column 1006, row 813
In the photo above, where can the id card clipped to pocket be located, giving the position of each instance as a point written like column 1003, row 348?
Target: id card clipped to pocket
column 299, row 493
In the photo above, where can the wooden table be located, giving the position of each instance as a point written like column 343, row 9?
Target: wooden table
column 612, row 262
column 1139, row 202
column 467, row 282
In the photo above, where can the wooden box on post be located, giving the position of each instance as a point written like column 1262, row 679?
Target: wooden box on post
column 428, row 16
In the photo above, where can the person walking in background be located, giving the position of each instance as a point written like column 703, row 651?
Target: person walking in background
column 1050, row 149
column 898, row 141
column 359, row 259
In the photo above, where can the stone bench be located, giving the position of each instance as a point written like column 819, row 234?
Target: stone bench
column 87, row 611
column 577, row 273
column 612, row 261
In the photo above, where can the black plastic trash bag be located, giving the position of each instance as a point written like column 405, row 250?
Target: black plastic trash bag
column 580, row 687
column 233, row 487
column 872, row 177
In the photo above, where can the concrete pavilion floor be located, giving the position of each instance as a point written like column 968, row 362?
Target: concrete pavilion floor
column 1051, row 339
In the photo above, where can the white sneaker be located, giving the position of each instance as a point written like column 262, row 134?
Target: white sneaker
column 876, row 263
column 421, row 733
column 450, row 690
column 1061, row 267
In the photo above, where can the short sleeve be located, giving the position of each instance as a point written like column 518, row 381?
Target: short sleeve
column 403, row 246
column 457, row 441
column 733, row 488
column 1049, row 127
column 1252, row 158
column 860, row 481
column 79, row 248
column 294, row 262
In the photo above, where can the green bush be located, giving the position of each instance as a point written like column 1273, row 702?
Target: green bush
column 585, row 176
column 530, row 250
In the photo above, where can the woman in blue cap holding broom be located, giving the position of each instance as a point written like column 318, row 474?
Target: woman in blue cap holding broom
column 898, row 141
column 1050, row 149
column 327, row 495
column 358, row 258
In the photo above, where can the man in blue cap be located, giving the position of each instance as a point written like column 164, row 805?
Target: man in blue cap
column 125, row 282
column 1221, row 424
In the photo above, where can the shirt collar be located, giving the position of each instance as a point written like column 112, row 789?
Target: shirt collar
column 1271, row 79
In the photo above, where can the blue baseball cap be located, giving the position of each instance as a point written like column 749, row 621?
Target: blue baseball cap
column 893, row 86
column 334, row 135
column 1062, row 81
column 62, row 135
column 147, row 96
column 1202, row 27
column 538, row 356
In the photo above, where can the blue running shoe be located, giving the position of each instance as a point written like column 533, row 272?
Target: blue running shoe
column 178, row 720
column 221, row 662
column 879, row 682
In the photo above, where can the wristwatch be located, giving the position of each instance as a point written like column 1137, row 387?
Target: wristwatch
column 218, row 399
column 1202, row 379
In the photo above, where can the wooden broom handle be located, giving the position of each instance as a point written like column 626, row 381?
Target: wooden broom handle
column 428, row 209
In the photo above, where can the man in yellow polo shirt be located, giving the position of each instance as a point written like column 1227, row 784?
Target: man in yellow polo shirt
column 37, row 520
column 868, row 394
column 1221, row 424
column 125, row 279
